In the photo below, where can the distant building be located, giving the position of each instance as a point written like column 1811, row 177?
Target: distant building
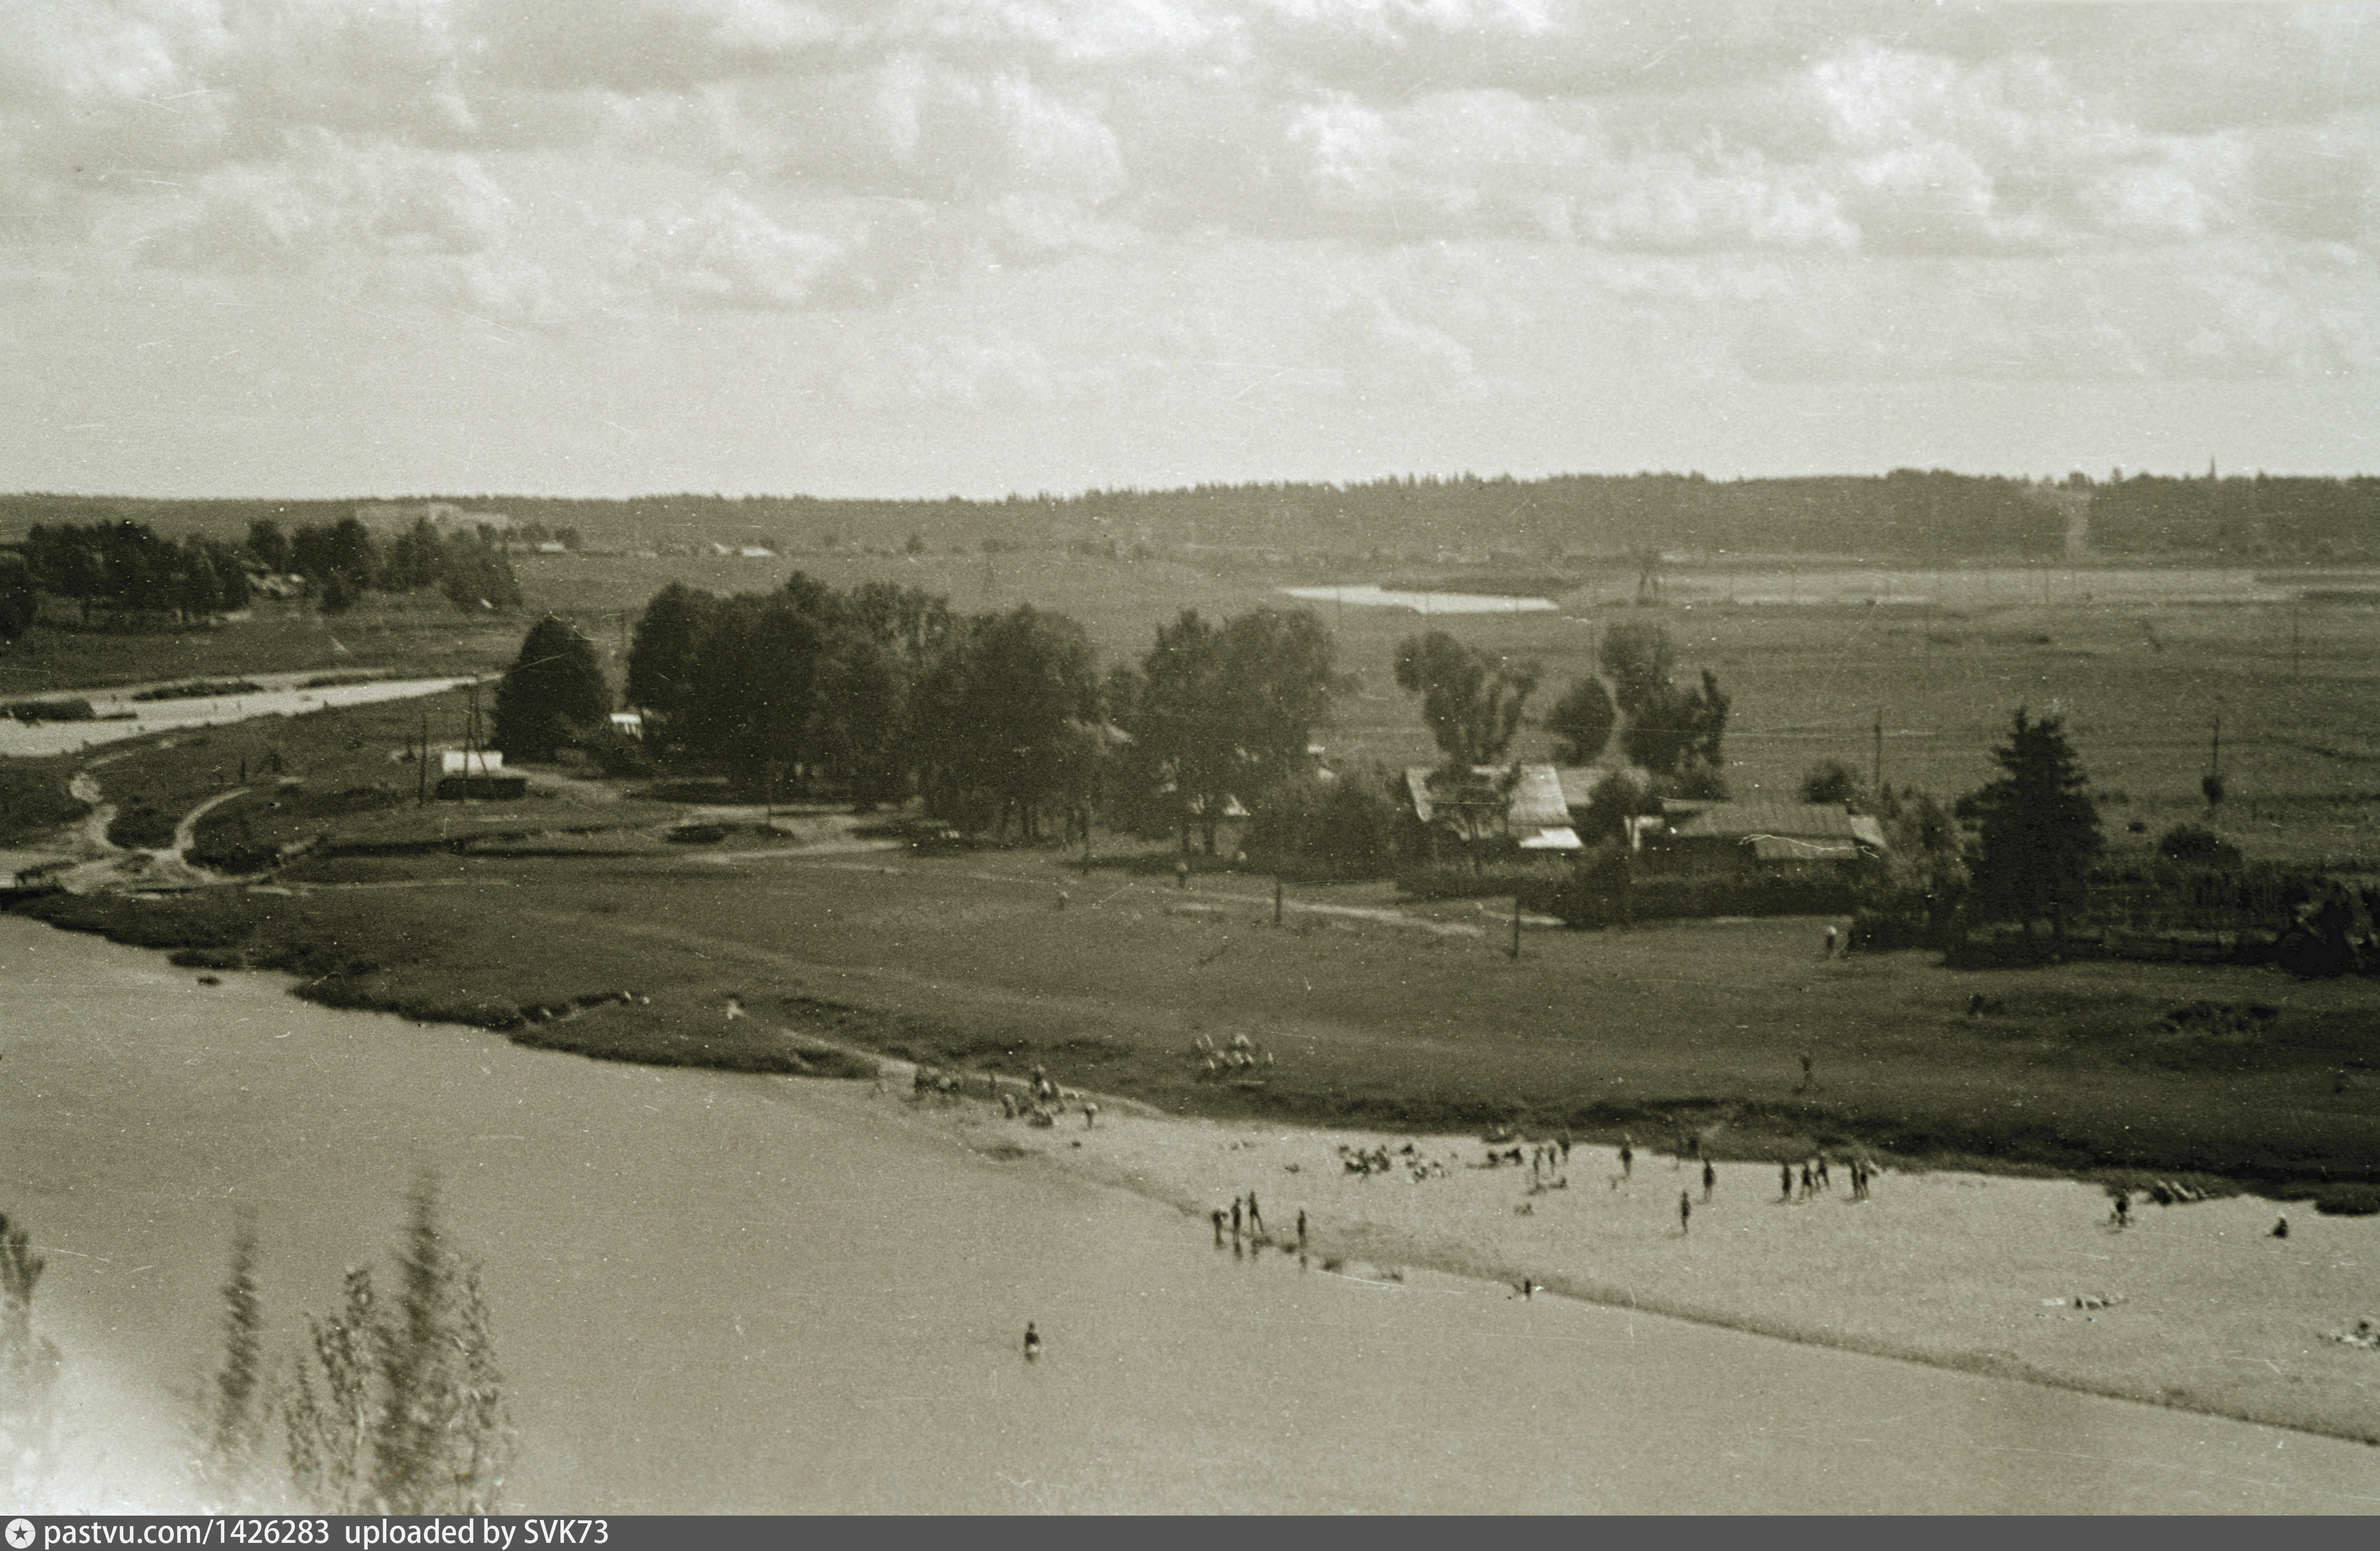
column 1529, row 806
column 1730, row 837
column 478, row 772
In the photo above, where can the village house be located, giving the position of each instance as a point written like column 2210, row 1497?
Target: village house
column 1733, row 837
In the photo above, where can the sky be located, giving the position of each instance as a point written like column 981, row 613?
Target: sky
column 931, row 248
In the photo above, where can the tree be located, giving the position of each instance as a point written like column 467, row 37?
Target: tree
column 345, row 549
column 1005, row 717
column 19, row 600
column 1831, row 781
column 1671, row 729
column 755, row 686
column 554, row 688
column 2039, row 829
column 1471, row 702
column 662, row 654
column 474, row 574
column 2196, row 845
column 1638, row 657
column 269, row 548
column 1581, row 722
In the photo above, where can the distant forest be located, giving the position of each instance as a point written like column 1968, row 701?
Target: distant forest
column 1906, row 514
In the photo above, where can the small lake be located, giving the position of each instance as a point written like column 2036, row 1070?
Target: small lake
column 722, row 1293
column 1370, row 597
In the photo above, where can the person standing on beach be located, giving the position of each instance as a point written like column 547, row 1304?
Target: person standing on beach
column 1710, row 1178
column 1235, row 1219
column 1301, row 1230
column 1215, row 1216
column 1032, row 1342
column 1565, row 1147
column 1824, row 1183
column 1255, row 1217
column 1785, row 1181
column 1685, row 1212
column 1627, row 1159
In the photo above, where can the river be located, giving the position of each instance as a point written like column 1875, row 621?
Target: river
column 732, row 1294
column 120, row 717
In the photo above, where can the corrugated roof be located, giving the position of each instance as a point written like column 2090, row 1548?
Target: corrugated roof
column 1537, row 802
column 1788, row 831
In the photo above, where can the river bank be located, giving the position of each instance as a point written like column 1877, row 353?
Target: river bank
column 2196, row 1306
column 720, row 1292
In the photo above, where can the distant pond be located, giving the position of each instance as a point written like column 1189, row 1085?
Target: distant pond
column 1368, row 596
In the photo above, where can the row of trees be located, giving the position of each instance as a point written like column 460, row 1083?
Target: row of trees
column 128, row 570
column 341, row 559
column 883, row 691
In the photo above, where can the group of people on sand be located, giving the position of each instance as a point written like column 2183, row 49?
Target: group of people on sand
column 1246, row 1217
column 1047, row 1102
column 1378, row 1159
column 1816, row 1177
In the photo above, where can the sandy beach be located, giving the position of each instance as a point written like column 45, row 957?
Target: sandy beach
column 2194, row 1305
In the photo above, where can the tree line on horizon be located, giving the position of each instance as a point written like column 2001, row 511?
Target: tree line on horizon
column 1914, row 515
column 126, row 569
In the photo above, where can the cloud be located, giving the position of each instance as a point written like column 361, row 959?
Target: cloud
column 2220, row 312
column 2201, row 180
column 985, row 368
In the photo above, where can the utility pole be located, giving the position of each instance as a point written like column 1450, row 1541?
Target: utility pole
column 1877, row 785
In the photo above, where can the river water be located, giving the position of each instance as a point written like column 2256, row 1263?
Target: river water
column 277, row 695
column 720, row 1292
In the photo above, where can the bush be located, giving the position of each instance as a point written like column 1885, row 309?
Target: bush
column 1336, row 830
column 1538, row 883
column 2348, row 1200
column 2195, row 845
column 1601, row 892
column 52, row 710
column 616, row 754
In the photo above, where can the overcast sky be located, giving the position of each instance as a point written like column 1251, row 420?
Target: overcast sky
column 937, row 247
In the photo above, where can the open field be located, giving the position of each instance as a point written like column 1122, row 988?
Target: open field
column 2141, row 670
column 2140, row 663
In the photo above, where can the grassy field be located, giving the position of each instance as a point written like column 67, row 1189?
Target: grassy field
column 1107, row 976
column 975, row 960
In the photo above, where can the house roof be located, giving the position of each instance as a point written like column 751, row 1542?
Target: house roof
column 1580, row 782
column 1536, row 803
column 1788, row 831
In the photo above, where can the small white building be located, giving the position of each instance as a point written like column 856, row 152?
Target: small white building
column 471, row 762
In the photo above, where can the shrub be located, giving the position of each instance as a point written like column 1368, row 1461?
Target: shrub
column 1602, row 892
column 2195, row 845
column 401, row 1411
column 2348, row 1200
column 1538, row 883
column 52, row 710
column 1315, row 830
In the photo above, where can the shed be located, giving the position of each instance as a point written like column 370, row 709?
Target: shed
column 1782, row 832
